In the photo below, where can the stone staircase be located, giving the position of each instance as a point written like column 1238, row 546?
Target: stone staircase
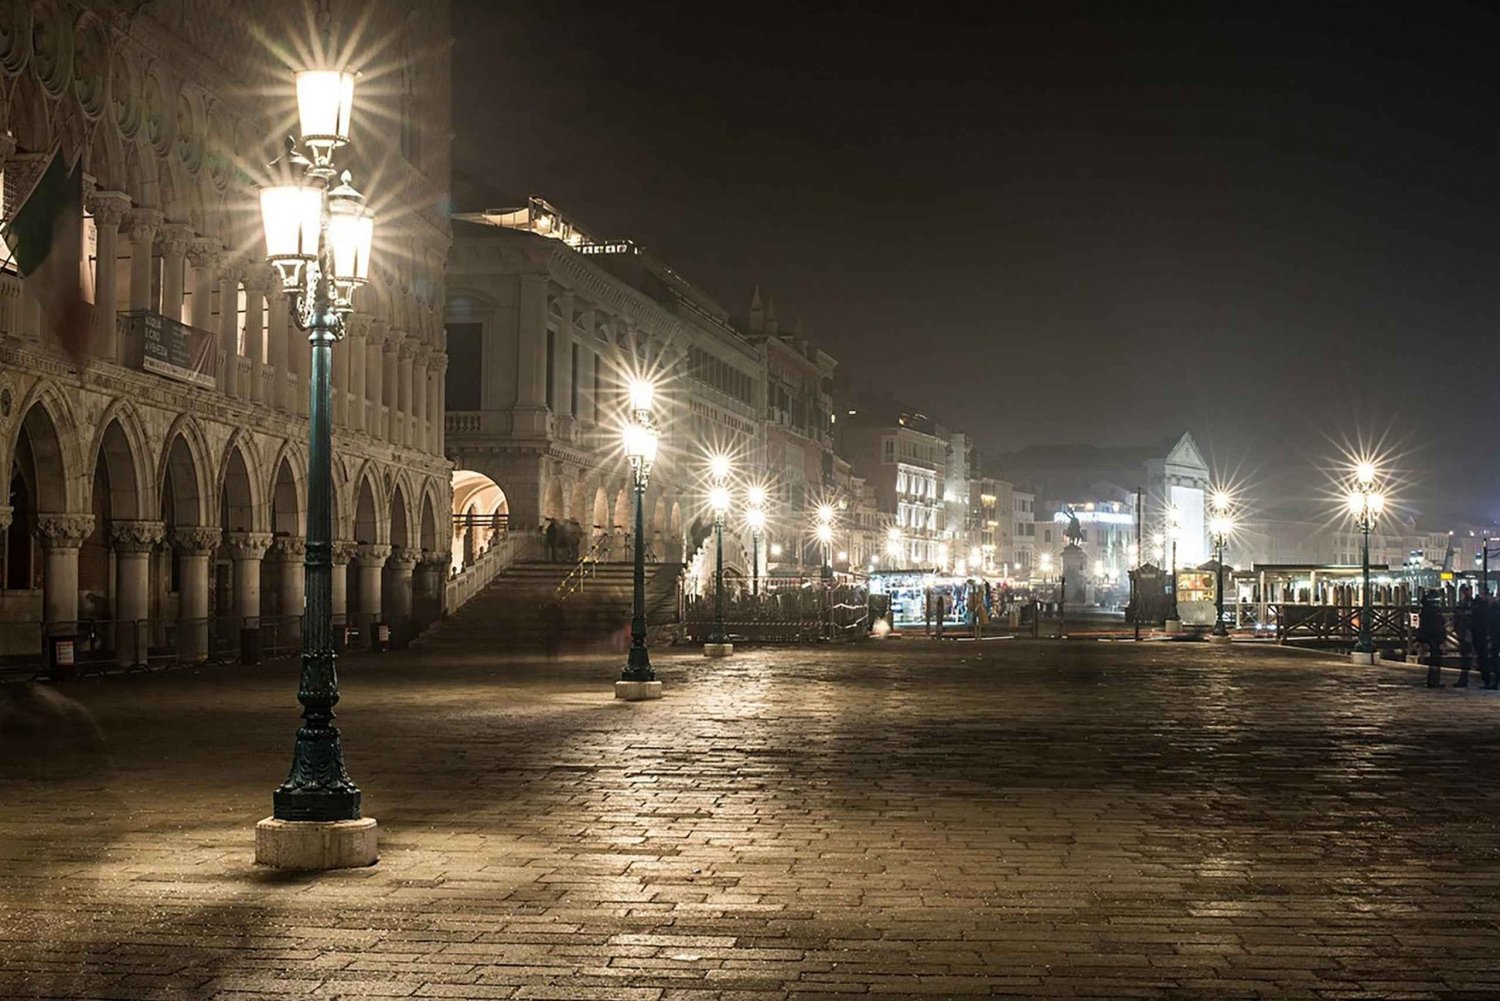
column 522, row 610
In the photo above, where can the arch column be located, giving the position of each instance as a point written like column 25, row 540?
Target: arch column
column 195, row 546
column 291, row 558
column 257, row 281
column 60, row 536
column 437, row 404
column 398, row 594
column 371, row 558
column 406, row 353
column 342, row 552
column 374, row 376
column 389, row 379
column 205, row 255
column 229, row 333
column 247, row 549
column 427, row 587
column 108, row 209
column 133, row 542
column 174, row 241
column 142, row 225
column 423, row 430
column 356, row 360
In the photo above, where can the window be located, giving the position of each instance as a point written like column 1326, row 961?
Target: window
column 465, row 354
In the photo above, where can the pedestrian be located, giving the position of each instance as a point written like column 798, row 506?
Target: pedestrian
column 1463, row 624
column 1491, row 655
column 1431, row 632
column 981, row 616
column 1479, row 638
column 551, row 535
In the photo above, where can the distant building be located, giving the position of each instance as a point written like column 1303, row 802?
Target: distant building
column 900, row 455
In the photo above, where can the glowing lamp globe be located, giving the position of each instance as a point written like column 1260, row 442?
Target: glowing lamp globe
column 640, row 444
column 718, row 499
column 825, row 514
column 351, row 232
column 1364, row 472
column 756, row 518
column 292, row 217
column 325, row 104
column 642, row 395
column 756, row 496
column 825, row 533
column 1377, row 503
column 718, row 467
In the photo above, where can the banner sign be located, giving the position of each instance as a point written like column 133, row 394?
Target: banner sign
column 173, row 349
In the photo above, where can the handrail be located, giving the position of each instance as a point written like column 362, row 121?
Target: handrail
column 581, row 570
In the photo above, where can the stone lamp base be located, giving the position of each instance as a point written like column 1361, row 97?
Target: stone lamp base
column 718, row 649
column 637, row 691
column 307, row 844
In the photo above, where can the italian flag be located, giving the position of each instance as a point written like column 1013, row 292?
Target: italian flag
column 45, row 237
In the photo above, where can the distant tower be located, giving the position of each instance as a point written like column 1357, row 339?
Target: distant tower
column 772, row 328
column 757, row 313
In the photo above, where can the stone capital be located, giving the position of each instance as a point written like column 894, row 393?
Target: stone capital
column 7, row 144
column 257, row 277
column 376, row 331
column 289, row 548
column 372, row 552
column 174, row 239
column 342, row 551
column 439, row 363
column 108, row 208
column 436, row 557
column 408, row 347
column 402, row 559
column 247, row 545
column 63, row 531
column 5, row 515
column 136, row 536
column 142, row 224
column 206, row 252
column 197, row 540
column 356, row 325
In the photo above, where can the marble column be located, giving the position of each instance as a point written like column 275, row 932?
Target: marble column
column 141, row 225
column 133, row 542
column 173, row 243
column 229, row 329
column 390, row 351
column 407, row 353
column 247, row 549
column 356, row 349
column 423, row 432
column 10, row 304
column 60, row 536
column 291, row 578
column 374, row 373
column 371, row 559
column 291, row 384
column 205, row 255
column 257, row 280
column 343, row 552
column 438, row 405
column 108, row 209
column 195, row 547
column 398, row 594
column 432, row 574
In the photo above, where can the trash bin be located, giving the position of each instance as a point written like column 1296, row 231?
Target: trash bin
column 250, row 645
column 380, row 636
column 62, row 659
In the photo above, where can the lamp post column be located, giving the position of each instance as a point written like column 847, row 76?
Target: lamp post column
column 1365, row 644
column 1219, row 629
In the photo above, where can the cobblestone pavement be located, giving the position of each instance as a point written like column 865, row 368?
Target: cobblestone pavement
column 1016, row 818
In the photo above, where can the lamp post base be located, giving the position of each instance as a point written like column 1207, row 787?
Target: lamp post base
column 637, row 691
column 1172, row 626
column 313, row 844
column 1363, row 656
column 1222, row 640
column 718, row 649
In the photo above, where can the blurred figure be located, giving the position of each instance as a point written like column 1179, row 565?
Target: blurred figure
column 1431, row 632
column 1463, row 625
column 1491, row 657
column 1479, row 639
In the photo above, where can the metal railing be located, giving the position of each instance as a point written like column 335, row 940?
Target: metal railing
column 501, row 553
column 787, row 610
column 586, row 566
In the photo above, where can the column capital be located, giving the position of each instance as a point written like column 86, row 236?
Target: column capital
column 247, row 545
column 439, row 362
column 108, row 208
column 206, row 252
column 342, row 551
column 257, row 277
column 63, row 531
column 391, row 345
column 403, row 558
column 136, row 536
column 372, row 552
column 356, row 325
column 5, row 515
column 7, row 144
column 436, row 557
column 376, row 331
column 290, row 548
column 142, row 224
column 408, row 348
column 197, row 540
column 174, row 239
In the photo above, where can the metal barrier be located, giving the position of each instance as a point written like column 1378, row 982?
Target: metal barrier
column 787, row 610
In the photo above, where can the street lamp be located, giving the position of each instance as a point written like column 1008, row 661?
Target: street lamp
column 755, row 517
column 318, row 237
column 641, row 437
column 718, row 644
column 1220, row 524
column 1365, row 503
column 1174, row 529
column 893, row 546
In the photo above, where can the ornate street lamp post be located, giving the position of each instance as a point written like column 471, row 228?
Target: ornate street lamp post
column 1220, row 524
column 1365, row 503
column 1174, row 529
column 638, row 680
column 318, row 236
column 718, row 644
column 894, row 546
column 755, row 516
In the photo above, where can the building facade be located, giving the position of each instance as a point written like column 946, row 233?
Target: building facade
column 546, row 328
column 157, row 468
column 902, row 458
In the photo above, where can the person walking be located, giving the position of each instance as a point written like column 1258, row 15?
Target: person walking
column 1489, row 662
column 1463, row 627
column 551, row 534
column 1431, row 632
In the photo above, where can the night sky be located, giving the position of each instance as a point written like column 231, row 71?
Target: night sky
column 1278, row 233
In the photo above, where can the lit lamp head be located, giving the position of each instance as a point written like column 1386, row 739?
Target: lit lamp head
column 351, row 231
column 640, row 447
column 893, row 543
column 824, row 533
column 325, row 104
column 292, row 217
column 1364, row 472
column 756, row 496
column 755, row 518
column 1098, row 568
column 718, row 500
column 1046, row 563
column 642, row 395
column 1220, row 525
column 1220, row 501
column 718, row 467
column 775, row 549
column 825, row 514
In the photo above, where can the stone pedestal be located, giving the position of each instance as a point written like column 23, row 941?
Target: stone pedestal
column 718, row 649
column 1220, row 640
column 306, row 844
column 1173, row 626
column 1362, row 658
column 637, row 691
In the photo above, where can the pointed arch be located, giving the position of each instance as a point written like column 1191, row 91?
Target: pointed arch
column 48, row 433
column 427, row 530
column 400, row 515
column 367, row 525
column 183, row 475
column 241, row 486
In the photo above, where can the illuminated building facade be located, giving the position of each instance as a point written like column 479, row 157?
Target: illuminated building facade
column 156, row 472
column 900, row 454
column 546, row 326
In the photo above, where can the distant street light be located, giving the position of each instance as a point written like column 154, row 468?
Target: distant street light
column 718, row 644
column 1220, row 524
column 638, row 679
column 1365, row 503
column 755, row 517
